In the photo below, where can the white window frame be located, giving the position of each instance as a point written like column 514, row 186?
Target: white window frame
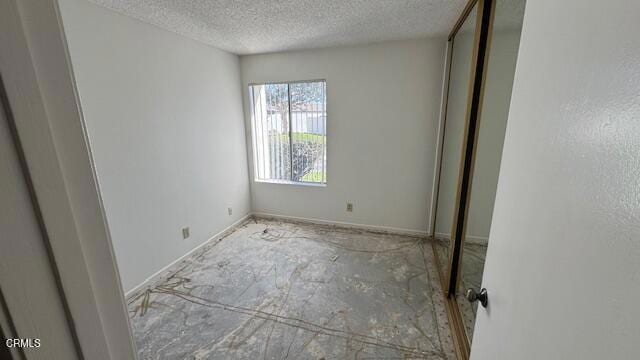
column 254, row 134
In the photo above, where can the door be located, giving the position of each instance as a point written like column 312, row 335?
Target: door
column 487, row 151
column 482, row 63
column 32, row 303
column 461, row 69
column 563, row 265
column 40, row 89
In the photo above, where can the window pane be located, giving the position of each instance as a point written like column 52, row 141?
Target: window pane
column 289, row 131
column 308, row 132
column 270, row 113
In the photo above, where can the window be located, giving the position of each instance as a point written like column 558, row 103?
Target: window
column 290, row 131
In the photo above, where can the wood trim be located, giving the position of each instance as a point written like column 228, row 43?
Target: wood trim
column 473, row 145
column 479, row 61
column 441, row 274
column 442, row 133
column 461, row 19
column 461, row 343
column 467, row 146
column 439, row 141
column 463, row 16
column 456, row 325
column 483, row 62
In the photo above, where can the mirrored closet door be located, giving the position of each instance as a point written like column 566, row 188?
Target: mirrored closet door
column 460, row 71
column 483, row 48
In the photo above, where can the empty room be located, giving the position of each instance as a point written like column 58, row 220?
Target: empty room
column 306, row 179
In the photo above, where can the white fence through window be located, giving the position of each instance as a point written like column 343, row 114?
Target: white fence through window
column 289, row 123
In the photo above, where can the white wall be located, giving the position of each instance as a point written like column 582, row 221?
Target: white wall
column 563, row 265
column 165, row 123
column 383, row 104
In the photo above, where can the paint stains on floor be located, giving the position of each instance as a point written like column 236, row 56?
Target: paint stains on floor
column 284, row 290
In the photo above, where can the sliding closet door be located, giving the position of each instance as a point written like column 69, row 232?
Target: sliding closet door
column 484, row 47
column 492, row 122
column 461, row 47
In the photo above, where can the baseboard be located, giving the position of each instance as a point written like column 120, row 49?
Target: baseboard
column 471, row 239
column 158, row 274
column 374, row 228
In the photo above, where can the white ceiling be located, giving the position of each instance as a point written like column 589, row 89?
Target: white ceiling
column 261, row 26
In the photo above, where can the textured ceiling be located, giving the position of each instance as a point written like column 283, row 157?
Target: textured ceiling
column 508, row 16
column 260, row 26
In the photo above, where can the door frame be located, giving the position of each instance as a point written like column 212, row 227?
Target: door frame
column 479, row 60
column 49, row 124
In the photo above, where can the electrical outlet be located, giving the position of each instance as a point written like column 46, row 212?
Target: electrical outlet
column 185, row 232
column 230, row 211
column 349, row 207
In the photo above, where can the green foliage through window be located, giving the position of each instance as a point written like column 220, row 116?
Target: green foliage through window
column 289, row 131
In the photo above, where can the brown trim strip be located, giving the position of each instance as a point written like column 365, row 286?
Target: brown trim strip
column 463, row 16
column 451, row 275
column 456, row 325
column 470, row 142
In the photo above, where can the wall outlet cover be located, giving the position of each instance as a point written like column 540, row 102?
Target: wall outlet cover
column 349, row 207
column 230, row 211
column 185, row 232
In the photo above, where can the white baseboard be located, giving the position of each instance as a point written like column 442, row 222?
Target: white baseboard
column 471, row 239
column 376, row 228
column 158, row 274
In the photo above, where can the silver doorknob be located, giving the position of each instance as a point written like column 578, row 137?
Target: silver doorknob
column 473, row 296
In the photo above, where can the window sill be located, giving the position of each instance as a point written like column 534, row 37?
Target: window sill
column 281, row 182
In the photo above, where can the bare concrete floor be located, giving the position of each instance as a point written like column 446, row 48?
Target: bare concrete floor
column 281, row 290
